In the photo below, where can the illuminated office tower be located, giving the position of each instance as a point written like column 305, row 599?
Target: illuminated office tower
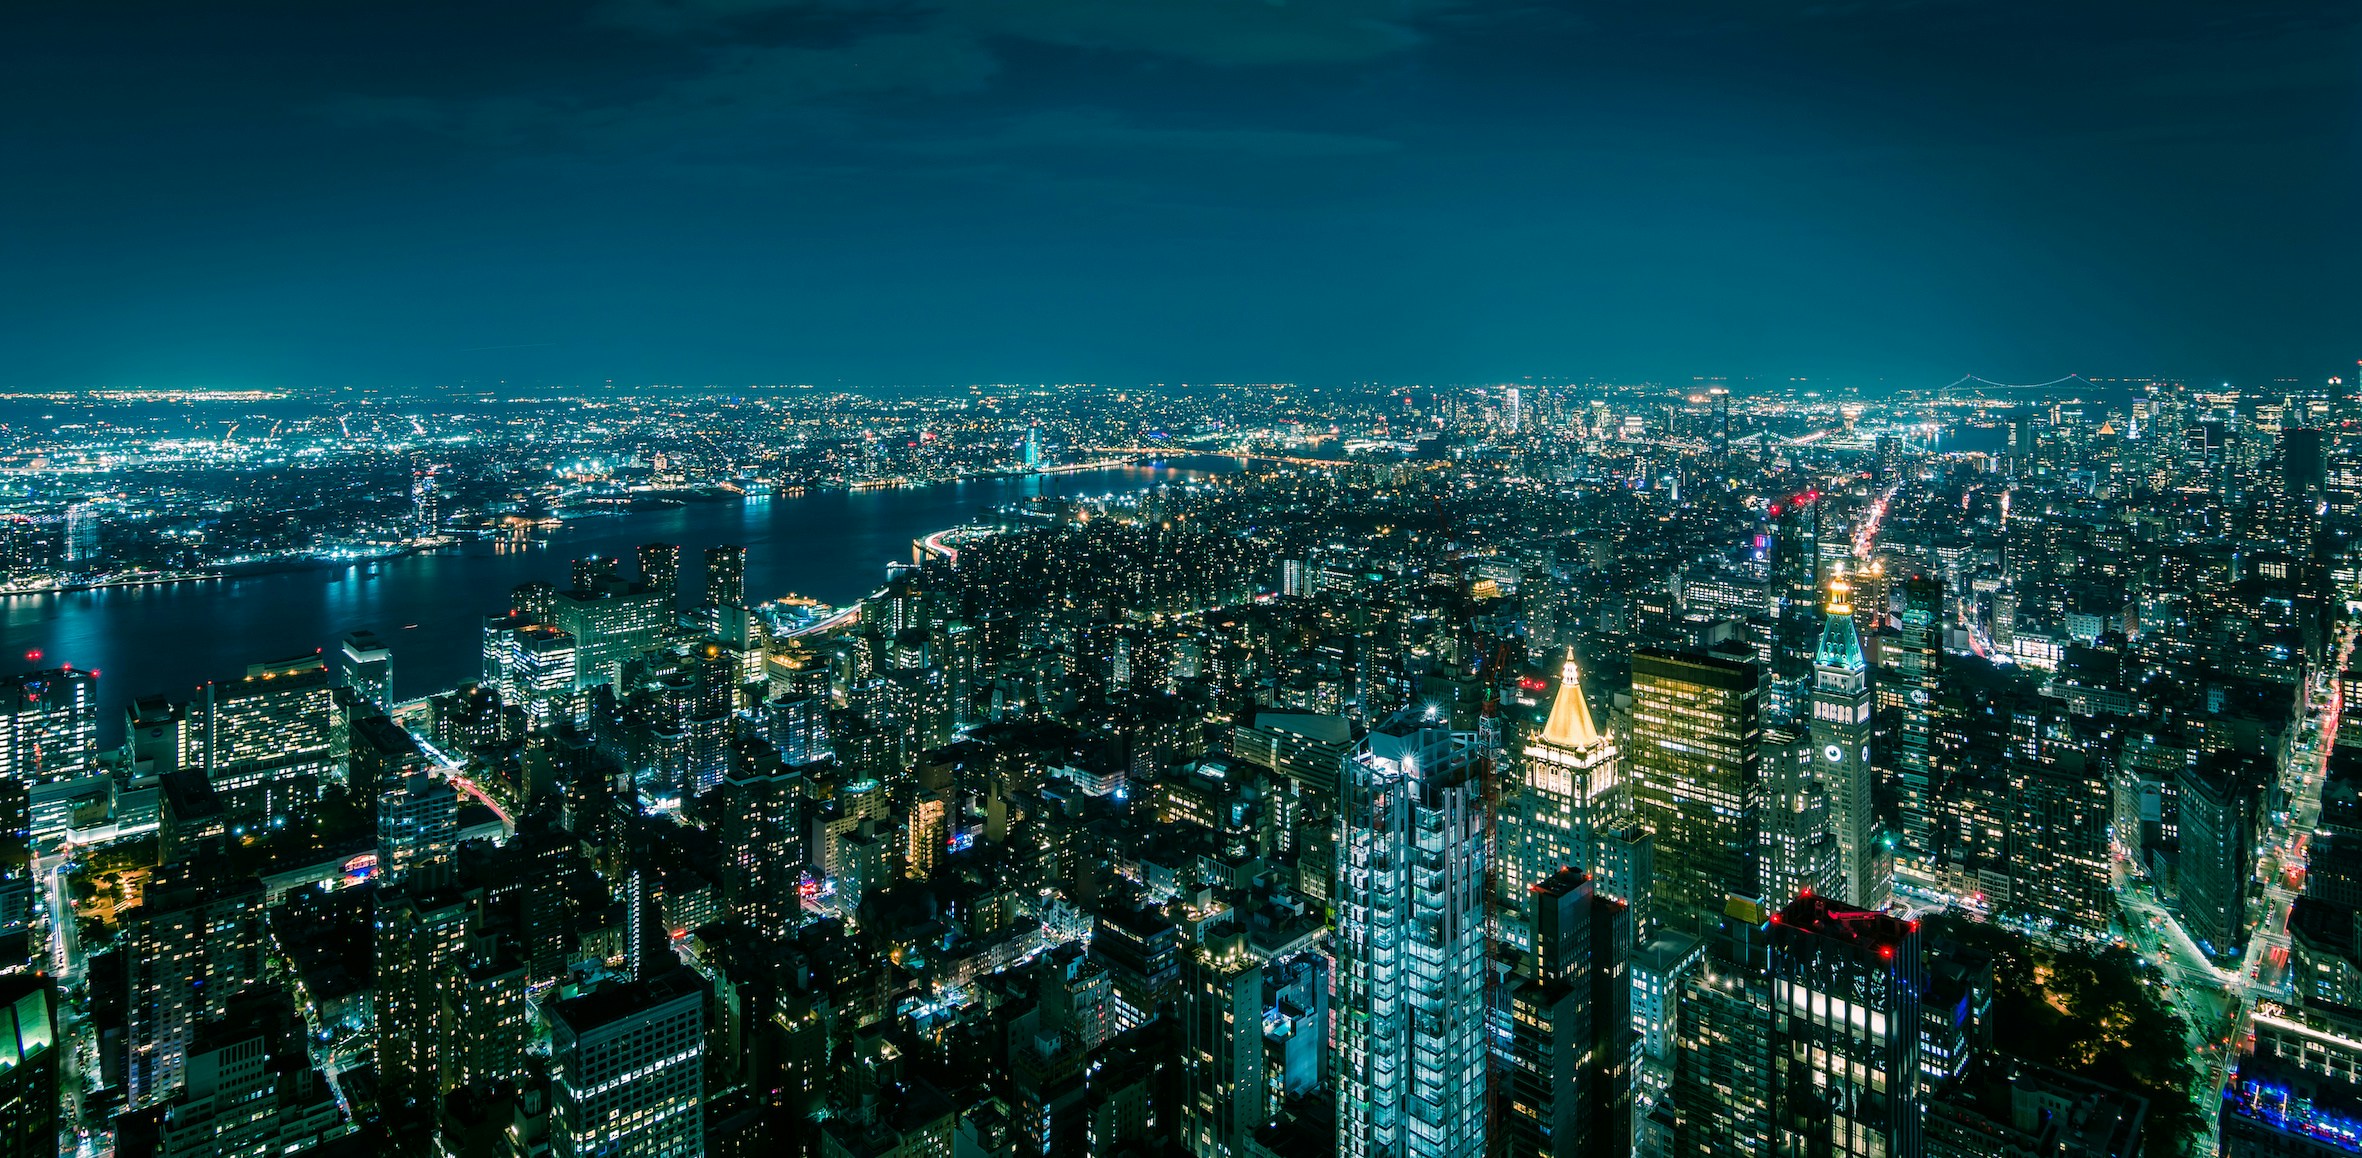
column 628, row 1070
column 1570, row 1056
column 1845, row 989
column 48, row 725
column 1410, row 947
column 1800, row 852
column 193, row 942
column 1570, row 788
column 366, row 665
column 268, row 738
column 536, row 670
column 1918, row 663
column 1723, row 1076
column 1840, row 739
column 1695, row 776
column 83, row 521
column 30, row 1066
column 660, row 569
column 610, row 628
column 725, row 576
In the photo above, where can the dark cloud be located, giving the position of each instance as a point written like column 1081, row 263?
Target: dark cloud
column 1220, row 32
column 892, row 190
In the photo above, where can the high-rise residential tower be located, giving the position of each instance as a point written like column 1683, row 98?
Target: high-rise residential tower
column 1410, row 947
column 660, row 568
column 725, row 576
column 1918, row 664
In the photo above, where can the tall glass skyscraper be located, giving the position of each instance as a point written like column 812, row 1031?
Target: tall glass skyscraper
column 1845, row 990
column 1918, row 663
column 1410, row 947
column 1695, row 775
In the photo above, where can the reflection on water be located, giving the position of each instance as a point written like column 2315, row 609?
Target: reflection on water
column 168, row 639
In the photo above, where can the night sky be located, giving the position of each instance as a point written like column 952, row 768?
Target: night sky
column 745, row 191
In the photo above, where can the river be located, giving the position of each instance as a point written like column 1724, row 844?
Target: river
column 429, row 608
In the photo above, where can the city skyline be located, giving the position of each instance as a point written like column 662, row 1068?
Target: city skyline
column 1180, row 579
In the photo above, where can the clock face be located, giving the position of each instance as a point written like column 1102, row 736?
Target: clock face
column 1833, row 753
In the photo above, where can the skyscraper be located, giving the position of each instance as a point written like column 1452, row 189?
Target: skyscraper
column 1695, row 775
column 1569, row 787
column 2221, row 808
column 419, row 946
column 1221, row 1009
column 1796, row 595
column 268, row 739
column 366, row 665
column 1918, row 664
column 762, row 845
column 2059, row 808
column 48, row 725
column 609, row 629
column 1571, row 1051
column 1799, row 838
column 417, row 829
column 1840, row 740
column 1410, row 947
column 660, row 569
column 30, row 1065
column 628, row 1065
column 1722, row 1082
column 1845, row 990
column 194, row 942
column 725, row 576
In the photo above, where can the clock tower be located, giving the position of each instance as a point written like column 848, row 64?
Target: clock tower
column 1840, row 736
